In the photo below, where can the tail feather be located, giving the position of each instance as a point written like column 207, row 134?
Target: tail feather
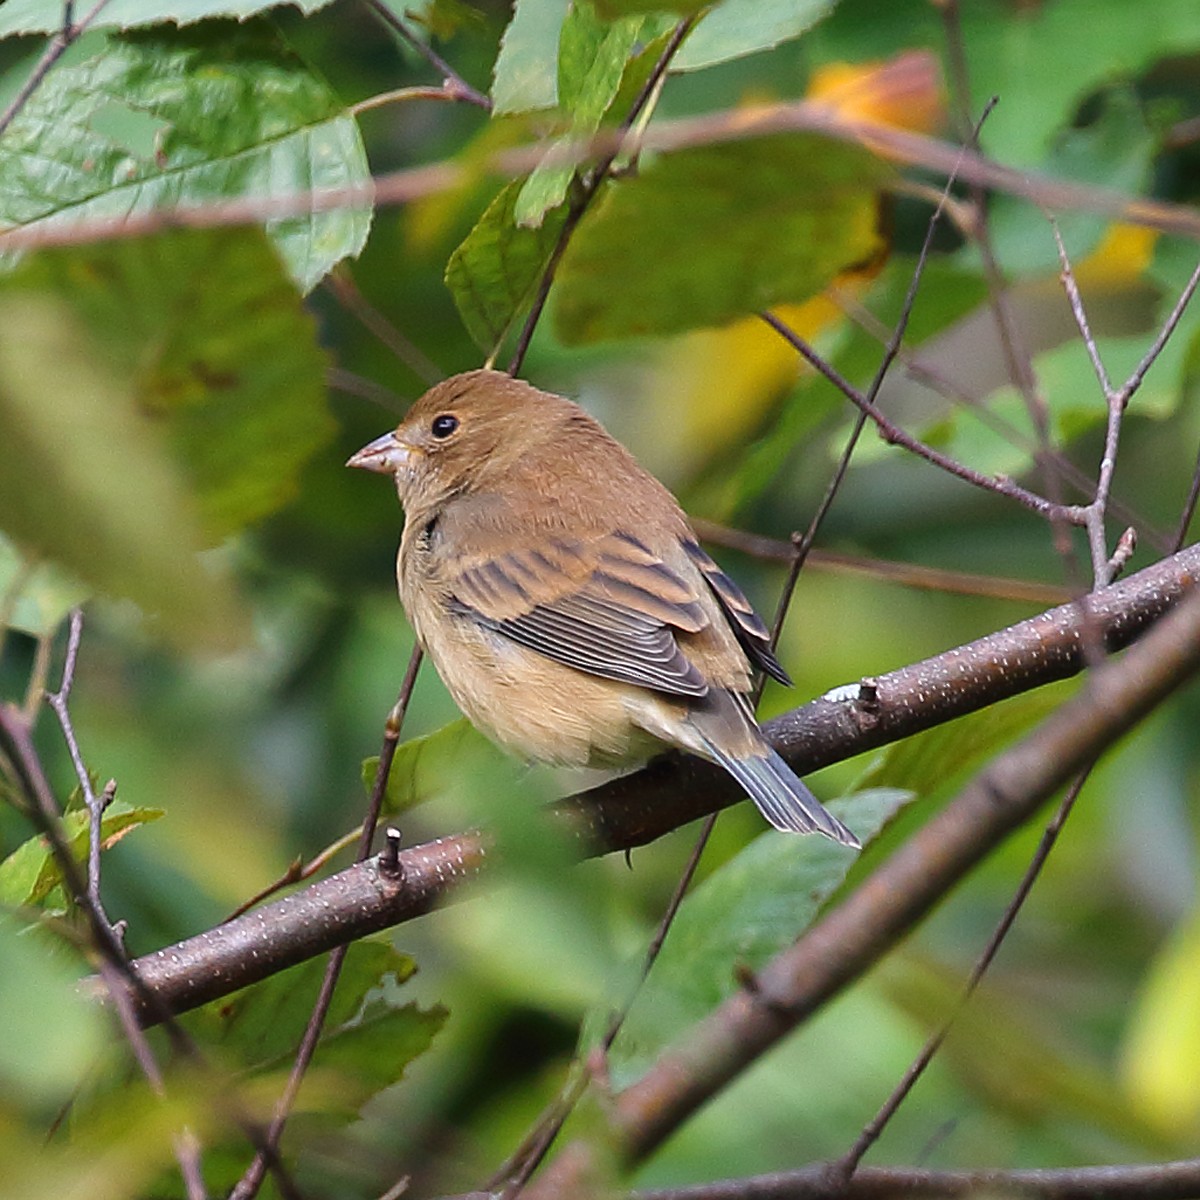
column 780, row 796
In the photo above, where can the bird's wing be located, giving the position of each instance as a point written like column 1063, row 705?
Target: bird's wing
column 606, row 605
column 752, row 635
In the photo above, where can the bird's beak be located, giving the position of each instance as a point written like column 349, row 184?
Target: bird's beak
column 385, row 454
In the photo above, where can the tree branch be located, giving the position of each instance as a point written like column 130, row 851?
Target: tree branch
column 635, row 809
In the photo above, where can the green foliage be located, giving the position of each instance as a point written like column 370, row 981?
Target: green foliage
column 31, row 875
column 166, row 440
column 743, row 913
column 494, row 272
column 132, row 128
column 806, row 210
column 45, row 16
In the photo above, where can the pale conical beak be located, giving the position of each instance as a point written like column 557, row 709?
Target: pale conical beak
column 385, row 455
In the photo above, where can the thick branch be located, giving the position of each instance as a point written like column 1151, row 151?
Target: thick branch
column 1177, row 1180
column 636, row 809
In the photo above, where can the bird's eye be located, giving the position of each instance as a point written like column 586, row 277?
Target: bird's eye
column 443, row 425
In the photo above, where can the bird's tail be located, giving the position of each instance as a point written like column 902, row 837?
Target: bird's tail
column 727, row 729
column 782, row 798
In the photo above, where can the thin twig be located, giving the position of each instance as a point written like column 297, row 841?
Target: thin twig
column 452, row 81
column 341, row 285
column 59, row 701
column 62, row 41
column 844, row 1169
column 184, row 1143
column 252, row 1179
column 893, row 434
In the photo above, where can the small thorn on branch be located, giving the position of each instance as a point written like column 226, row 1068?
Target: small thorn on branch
column 389, row 856
column 1126, row 545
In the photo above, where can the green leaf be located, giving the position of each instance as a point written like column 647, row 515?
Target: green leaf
column 1115, row 150
column 592, row 56
column 456, row 760
column 736, row 28
column 133, row 129
column 221, row 352
column 729, row 230
column 525, row 77
column 259, row 1026
column 85, row 479
column 31, row 873
column 494, row 272
column 740, row 916
column 45, row 16
column 52, row 1035
column 36, row 596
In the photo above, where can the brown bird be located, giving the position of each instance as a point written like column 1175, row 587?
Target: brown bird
column 564, row 599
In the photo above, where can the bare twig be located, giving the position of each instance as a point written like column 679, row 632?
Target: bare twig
column 62, row 41
column 913, row 575
column 893, row 434
column 739, row 124
column 453, row 84
column 845, row 1168
column 1176, row 1180
column 341, row 285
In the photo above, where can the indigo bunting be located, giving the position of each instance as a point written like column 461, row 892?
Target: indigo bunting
column 564, row 599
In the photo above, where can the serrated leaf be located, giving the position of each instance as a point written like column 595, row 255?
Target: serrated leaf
column 261, row 1024
column 736, row 28
column 86, row 481
column 165, row 120
column 525, row 77
column 370, row 1040
column 451, row 760
column 30, row 873
column 494, row 272
column 45, row 16
column 728, row 229
column 220, row 351
column 741, row 915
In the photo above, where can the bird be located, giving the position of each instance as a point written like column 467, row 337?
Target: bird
column 564, row 598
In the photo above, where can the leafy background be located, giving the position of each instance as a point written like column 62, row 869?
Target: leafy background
column 174, row 412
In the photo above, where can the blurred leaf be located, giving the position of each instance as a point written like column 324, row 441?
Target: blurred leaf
column 806, row 210
column 1012, row 1058
column 740, row 916
column 525, row 76
column 373, row 1052
column 133, row 129
column 735, row 28
column 221, row 352
column 926, row 761
column 260, row 1026
column 493, row 275
column 85, row 481
column 1073, row 397
column 1115, row 150
column 44, row 593
column 452, row 760
column 46, row 16
column 52, row 1035
column 31, row 872
column 1163, row 1037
